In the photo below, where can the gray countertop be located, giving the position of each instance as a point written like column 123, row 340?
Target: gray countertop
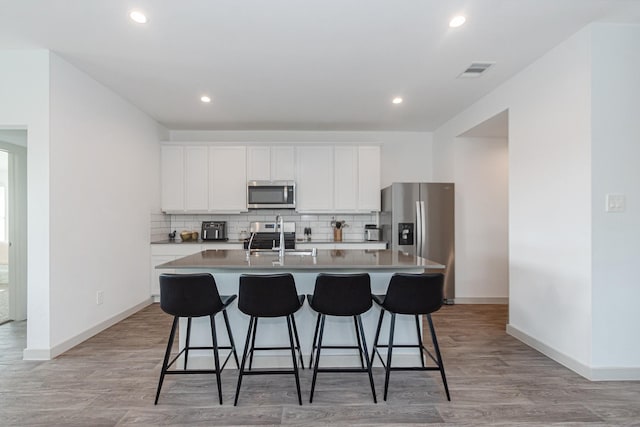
column 336, row 259
column 298, row 241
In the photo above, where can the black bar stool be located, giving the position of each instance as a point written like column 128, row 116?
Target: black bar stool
column 412, row 294
column 194, row 295
column 341, row 295
column 272, row 295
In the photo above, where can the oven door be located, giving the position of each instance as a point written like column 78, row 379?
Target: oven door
column 271, row 195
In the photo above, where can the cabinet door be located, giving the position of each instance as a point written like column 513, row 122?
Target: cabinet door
column 314, row 178
column 283, row 163
column 172, row 178
column 196, row 177
column 258, row 164
column 346, row 178
column 227, row 179
column 369, row 178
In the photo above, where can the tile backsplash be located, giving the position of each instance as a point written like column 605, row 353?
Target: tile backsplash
column 320, row 223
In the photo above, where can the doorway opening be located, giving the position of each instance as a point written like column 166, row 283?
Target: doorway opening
column 482, row 211
column 13, row 225
column 4, row 238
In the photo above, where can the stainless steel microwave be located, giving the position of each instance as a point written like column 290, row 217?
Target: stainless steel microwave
column 271, row 195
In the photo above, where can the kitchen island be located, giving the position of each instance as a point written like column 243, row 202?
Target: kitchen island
column 227, row 265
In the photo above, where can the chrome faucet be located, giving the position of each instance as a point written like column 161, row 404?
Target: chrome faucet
column 249, row 244
column 280, row 221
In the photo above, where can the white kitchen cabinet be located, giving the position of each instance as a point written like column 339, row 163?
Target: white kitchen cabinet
column 283, row 163
column 345, row 178
column 227, row 179
column 258, row 163
column 270, row 163
column 196, row 187
column 369, row 178
column 314, row 178
column 172, row 178
column 338, row 179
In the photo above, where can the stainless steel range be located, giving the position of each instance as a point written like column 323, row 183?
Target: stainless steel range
column 266, row 235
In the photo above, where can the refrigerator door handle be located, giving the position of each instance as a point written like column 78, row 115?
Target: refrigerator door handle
column 423, row 229
column 419, row 224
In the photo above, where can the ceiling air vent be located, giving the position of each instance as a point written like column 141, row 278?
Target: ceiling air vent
column 476, row 69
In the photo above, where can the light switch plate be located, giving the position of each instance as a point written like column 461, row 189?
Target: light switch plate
column 615, row 203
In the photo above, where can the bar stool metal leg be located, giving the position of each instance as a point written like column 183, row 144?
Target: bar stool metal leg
column 216, row 357
column 233, row 344
column 295, row 334
column 437, row 349
column 253, row 343
column 375, row 341
column 167, row 354
column 244, row 360
column 315, row 337
column 293, row 358
column 186, row 344
column 318, row 348
column 355, row 325
column 364, row 347
column 420, row 340
column 392, row 328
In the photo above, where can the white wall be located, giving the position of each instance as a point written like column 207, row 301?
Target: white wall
column 549, row 195
column 405, row 156
column 480, row 174
column 573, row 137
column 616, row 236
column 104, row 183
column 24, row 104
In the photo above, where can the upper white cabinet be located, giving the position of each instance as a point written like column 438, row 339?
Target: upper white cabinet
column 345, row 185
column 227, row 179
column 203, row 179
column 270, row 163
column 314, row 178
column 172, row 178
column 196, row 172
column 338, row 178
column 212, row 178
column 369, row 178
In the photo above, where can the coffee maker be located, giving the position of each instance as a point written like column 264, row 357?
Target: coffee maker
column 214, row 230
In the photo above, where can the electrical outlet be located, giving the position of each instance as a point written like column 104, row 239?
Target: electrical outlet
column 99, row 297
column 615, row 203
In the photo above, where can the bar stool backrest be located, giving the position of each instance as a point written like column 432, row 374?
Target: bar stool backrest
column 342, row 294
column 189, row 295
column 414, row 293
column 268, row 295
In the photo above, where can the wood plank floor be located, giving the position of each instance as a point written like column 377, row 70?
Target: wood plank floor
column 110, row 380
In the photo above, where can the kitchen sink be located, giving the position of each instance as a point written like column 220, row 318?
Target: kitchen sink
column 260, row 252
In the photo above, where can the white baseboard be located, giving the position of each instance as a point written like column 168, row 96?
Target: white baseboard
column 48, row 354
column 482, row 300
column 589, row 372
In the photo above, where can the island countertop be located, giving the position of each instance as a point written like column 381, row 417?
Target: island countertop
column 335, row 259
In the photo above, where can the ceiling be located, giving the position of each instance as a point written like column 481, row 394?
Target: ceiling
column 300, row 64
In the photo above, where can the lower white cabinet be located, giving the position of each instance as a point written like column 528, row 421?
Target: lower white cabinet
column 161, row 253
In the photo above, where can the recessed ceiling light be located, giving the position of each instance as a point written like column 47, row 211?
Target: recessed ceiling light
column 205, row 99
column 138, row 17
column 397, row 100
column 457, row 21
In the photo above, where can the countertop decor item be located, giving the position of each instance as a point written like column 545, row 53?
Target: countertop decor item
column 337, row 229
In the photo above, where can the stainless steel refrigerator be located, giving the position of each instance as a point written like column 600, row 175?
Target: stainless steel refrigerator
column 418, row 218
